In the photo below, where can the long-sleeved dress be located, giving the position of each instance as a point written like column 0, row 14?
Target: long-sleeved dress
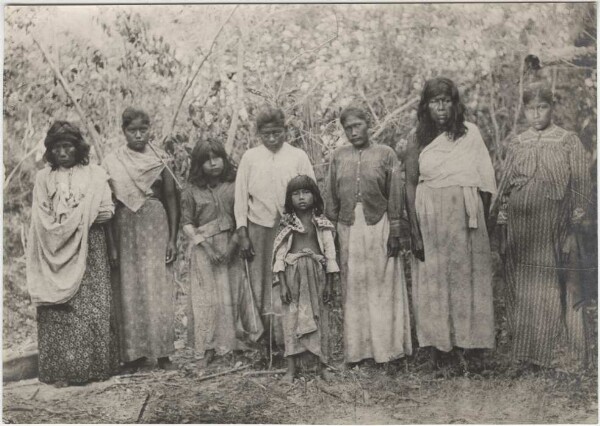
column 546, row 192
column 364, row 199
column 69, row 275
column 215, row 289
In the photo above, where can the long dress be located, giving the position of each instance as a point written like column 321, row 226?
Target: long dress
column 364, row 191
column 547, row 189
column 214, row 289
column 146, row 289
column 76, row 338
column 452, row 288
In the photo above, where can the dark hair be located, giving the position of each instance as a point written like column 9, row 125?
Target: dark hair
column 201, row 154
column 426, row 129
column 537, row 90
column 303, row 182
column 354, row 111
column 268, row 114
column 66, row 131
column 131, row 114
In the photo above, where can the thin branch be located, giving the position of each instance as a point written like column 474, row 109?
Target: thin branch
column 222, row 373
column 364, row 96
column 191, row 80
column 319, row 47
column 518, row 110
column 91, row 130
column 13, row 171
column 493, row 113
column 239, row 95
column 392, row 114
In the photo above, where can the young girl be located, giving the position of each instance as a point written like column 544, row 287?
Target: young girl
column 215, row 272
column 304, row 264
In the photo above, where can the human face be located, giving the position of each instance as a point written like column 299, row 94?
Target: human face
column 302, row 200
column 440, row 108
column 357, row 131
column 137, row 134
column 65, row 153
column 213, row 167
column 538, row 113
column 272, row 136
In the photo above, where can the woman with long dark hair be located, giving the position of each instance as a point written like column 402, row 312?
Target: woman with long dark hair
column 68, row 272
column 449, row 183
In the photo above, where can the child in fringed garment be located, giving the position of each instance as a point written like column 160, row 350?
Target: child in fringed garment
column 222, row 308
column 304, row 265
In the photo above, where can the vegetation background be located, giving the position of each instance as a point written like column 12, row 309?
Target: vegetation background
column 201, row 71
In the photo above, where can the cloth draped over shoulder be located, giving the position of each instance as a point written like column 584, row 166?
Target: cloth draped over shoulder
column 58, row 236
column 132, row 174
column 464, row 162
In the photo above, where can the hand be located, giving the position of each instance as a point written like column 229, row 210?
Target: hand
column 502, row 231
column 213, row 256
column 417, row 247
column 246, row 249
column 393, row 246
column 328, row 290
column 569, row 247
column 286, row 294
column 171, row 252
column 113, row 257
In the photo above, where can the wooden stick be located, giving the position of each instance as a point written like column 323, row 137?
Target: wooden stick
column 191, row 80
column 91, row 130
column 167, row 166
column 233, row 370
column 143, row 408
column 264, row 372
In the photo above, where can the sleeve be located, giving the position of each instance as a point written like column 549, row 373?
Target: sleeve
column 188, row 208
column 580, row 179
column 332, row 204
column 485, row 169
column 305, row 167
column 107, row 207
column 240, row 207
column 329, row 252
column 393, row 188
column 504, row 188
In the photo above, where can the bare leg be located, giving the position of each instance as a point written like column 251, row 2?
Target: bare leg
column 325, row 375
column 291, row 369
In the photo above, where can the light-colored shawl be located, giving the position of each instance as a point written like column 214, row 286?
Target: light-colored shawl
column 57, row 251
column 464, row 162
column 132, row 174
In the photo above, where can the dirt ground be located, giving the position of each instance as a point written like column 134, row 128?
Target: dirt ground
column 366, row 394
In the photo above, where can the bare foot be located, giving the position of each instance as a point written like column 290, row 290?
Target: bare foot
column 165, row 363
column 326, row 376
column 61, row 384
column 288, row 378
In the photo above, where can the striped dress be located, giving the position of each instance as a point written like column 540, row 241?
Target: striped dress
column 547, row 187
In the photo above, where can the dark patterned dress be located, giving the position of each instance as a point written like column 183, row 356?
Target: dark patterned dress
column 76, row 340
column 547, row 192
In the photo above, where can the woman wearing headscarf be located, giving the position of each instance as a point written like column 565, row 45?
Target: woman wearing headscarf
column 364, row 200
column 146, row 222
column 68, row 272
column 545, row 196
column 449, row 183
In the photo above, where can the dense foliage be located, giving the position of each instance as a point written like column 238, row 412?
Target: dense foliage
column 310, row 59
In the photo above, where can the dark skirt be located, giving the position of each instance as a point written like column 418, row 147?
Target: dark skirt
column 76, row 340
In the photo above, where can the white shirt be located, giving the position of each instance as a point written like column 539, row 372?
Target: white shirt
column 261, row 182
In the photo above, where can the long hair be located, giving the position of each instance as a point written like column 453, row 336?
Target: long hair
column 201, row 154
column 66, row 131
column 426, row 129
column 303, row 182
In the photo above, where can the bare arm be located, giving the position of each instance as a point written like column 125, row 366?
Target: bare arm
column 172, row 207
column 412, row 180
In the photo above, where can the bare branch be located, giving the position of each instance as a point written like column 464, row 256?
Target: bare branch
column 239, row 95
column 392, row 114
column 191, row 80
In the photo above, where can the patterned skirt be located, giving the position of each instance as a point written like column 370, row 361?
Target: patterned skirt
column 76, row 341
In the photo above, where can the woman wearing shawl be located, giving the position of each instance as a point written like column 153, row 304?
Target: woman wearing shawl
column 68, row 273
column 545, row 194
column 365, row 202
column 450, row 181
column 146, row 234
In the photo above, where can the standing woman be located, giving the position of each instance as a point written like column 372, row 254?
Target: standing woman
column 449, row 183
column 68, row 273
column 146, row 224
column 546, row 188
column 364, row 188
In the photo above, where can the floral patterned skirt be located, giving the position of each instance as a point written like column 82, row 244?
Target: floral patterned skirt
column 76, row 340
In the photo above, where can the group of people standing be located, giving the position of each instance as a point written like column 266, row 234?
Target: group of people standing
column 267, row 249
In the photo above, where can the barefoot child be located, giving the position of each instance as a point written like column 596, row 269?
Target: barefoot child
column 304, row 263
column 215, row 271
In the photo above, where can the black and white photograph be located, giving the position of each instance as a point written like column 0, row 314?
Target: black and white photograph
column 314, row 213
